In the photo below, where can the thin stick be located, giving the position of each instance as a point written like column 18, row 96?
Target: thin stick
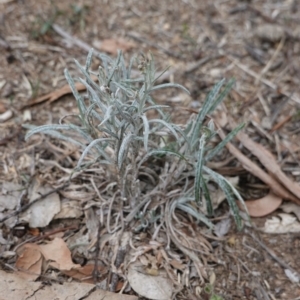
column 136, row 37
column 270, row 62
column 272, row 254
column 78, row 42
column 194, row 66
column 248, row 165
column 263, row 80
column 97, row 252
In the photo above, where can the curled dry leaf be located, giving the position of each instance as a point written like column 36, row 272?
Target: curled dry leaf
column 177, row 264
column 263, row 206
column 85, row 273
column 31, row 256
column 283, row 224
column 41, row 213
column 58, row 255
column 222, row 227
column 29, row 262
column 291, row 208
column 9, row 195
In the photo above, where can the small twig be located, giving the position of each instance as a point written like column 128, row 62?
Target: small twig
column 26, row 206
column 119, row 258
column 253, row 168
column 272, row 253
column 81, row 44
column 279, row 108
column 43, row 236
column 254, row 54
column 136, row 37
column 194, row 66
column 97, row 252
column 263, row 80
column 265, row 17
column 280, row 124
column 271, row 61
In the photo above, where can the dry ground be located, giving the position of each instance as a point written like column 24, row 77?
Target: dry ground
column 257, row 42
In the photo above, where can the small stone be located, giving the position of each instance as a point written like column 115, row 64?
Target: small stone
column 270, row 33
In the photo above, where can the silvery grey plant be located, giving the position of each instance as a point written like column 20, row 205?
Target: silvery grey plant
column 115, row 130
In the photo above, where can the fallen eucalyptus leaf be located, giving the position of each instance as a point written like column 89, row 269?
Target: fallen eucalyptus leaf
column 152, row 287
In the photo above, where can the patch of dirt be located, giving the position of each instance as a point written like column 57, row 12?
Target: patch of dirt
column 256, row 42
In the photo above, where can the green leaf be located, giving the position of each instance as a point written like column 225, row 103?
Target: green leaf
column 198, row 174
column 191, row 211
column 222, row 95
column 169, row 85
column 222, row 144
column 79, row 99
column 159, row 152
column 209, row 206
column 229, row 193
column 89, row 147
column 146, row 131
column 124, row 148
column 209, row 101
column 164, row 123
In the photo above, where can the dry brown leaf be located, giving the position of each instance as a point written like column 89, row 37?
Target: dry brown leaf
column 55, row 95
column 29, row 262
column 41, row 213
column 85, row 273
column 263, row 206
column 177, row 264
column 111, row 46
column 58, row 255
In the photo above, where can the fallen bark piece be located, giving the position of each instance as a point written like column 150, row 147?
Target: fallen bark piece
column 283, row 223
column 269, row 162
column 274, row 185
column 14, row 287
